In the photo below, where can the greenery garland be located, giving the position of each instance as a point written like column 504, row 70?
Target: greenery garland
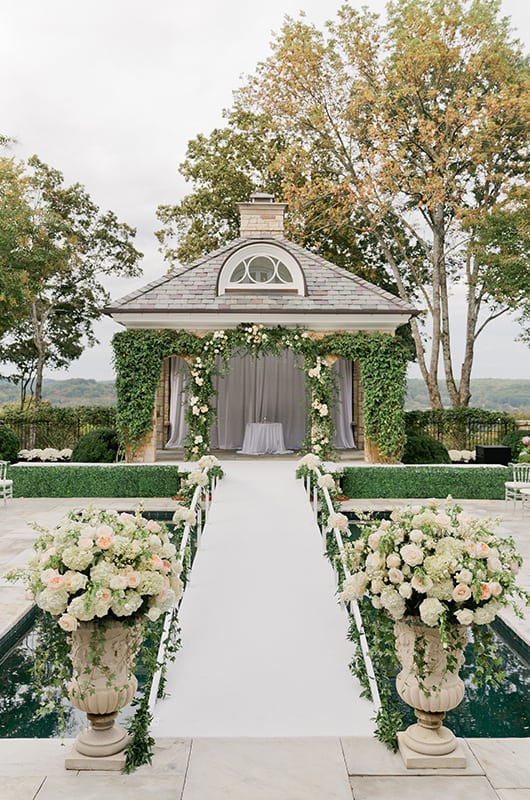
column 139, row 355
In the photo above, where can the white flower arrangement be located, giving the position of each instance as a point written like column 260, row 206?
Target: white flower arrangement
column 310, row 460
column 45, row 454
column 436, row 563
column 208, row 461
column 338, row 520
column 197, row 478
column 101, row 564
column 326, row 481
column 185, row 515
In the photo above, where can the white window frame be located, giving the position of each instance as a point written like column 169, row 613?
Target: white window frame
column 296, row 286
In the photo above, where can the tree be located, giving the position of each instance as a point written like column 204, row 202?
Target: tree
column 424, row 124
column 247, row 156
column 15, row 227
column 63, row 246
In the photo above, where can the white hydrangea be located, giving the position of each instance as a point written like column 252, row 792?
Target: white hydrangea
column 326, row 481
column 430, row 611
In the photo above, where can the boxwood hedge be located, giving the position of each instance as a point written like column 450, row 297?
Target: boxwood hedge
column 95, row 480
column 464, row 481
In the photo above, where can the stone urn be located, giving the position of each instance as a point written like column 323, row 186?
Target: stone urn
column 436, row 690
column 103, row 654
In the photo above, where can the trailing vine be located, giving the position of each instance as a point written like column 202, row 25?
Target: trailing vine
column 139, row 356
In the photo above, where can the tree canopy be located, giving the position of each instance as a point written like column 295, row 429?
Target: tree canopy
column 55, row 248
column 401, row 147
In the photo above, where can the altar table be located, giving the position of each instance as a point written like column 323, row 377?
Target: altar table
column 262, row 438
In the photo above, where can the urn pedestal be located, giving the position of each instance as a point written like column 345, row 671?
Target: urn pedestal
column 431, row 693
column 103, row 655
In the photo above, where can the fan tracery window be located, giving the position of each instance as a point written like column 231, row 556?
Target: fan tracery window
column 259, row 267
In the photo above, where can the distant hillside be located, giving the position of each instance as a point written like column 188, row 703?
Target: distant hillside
column 73, row 392
column 511, row 396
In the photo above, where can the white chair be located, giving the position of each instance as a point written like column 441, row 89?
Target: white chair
column 6, row 484
column 521, row 480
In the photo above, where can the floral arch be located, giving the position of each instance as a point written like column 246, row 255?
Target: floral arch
column 140, row 353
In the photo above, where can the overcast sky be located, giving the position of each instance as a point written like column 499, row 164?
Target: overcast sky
column 111, row 91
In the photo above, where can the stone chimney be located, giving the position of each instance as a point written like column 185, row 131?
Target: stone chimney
column 261, row 216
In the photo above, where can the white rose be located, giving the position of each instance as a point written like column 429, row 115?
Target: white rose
column 405, row 590
column 374, row 539
column 494, row 564
column 119, row 582
column 355, row 586
column 495, row 588
column 395, row 575
column 412, row 554
column 485, row 614
column 464, row 616
column 461, row 593
column 339, row 521
column 67, row 622
column 373, row 562
column 393, row 560
column 326, row 481
column 421, row 585
column 464, row 576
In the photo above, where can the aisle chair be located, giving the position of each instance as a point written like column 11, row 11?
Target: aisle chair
column 521, row 480
column 6, row 484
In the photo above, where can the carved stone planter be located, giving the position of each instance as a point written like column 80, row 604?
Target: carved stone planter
column 103, row 656
column 434, row 693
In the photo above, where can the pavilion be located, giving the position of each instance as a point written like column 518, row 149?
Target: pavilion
column 262, row 281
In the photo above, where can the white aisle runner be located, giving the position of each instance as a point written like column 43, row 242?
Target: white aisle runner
column 264, row 648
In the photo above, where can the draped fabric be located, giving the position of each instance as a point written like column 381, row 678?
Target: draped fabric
column 341, row 409
column 178, row 399
column 253, row 389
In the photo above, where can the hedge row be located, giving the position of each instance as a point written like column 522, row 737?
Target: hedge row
column 461, row 482
column 95, row 480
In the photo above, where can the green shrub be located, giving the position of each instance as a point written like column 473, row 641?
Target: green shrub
column 398, row 480
column 421, row 448
column 513, row 440
column 97, row 480
column 96, row 447
column 9, row 444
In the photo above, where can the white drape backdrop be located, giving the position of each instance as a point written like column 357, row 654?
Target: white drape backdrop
column 178, row 400
column 254, row 389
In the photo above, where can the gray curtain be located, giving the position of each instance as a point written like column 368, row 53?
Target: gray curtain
column 254, row 389
column 178, row 398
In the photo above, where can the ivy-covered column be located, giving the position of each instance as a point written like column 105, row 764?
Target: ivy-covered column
column 383, row 375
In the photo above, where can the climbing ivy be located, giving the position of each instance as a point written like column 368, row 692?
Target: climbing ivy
column 139, row 355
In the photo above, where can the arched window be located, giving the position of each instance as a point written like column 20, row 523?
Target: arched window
column 261, row 266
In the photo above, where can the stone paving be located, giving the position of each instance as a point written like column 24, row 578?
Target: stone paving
column 295, row 768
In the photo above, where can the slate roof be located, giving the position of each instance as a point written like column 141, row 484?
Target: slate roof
column 330, row 289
